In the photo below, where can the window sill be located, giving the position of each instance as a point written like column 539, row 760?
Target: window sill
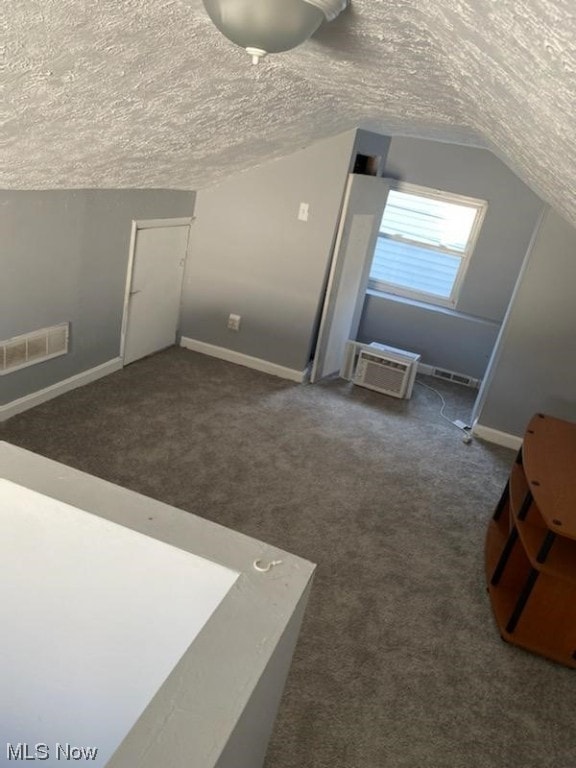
column 430, row 307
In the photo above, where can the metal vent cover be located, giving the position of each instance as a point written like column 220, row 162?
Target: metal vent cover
column 457, row 378
column 35, row 347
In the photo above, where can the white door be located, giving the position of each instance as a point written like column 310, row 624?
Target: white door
column 364, row 202
column 154, row 289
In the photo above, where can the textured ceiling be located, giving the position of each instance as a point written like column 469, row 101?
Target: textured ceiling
column 147, row 93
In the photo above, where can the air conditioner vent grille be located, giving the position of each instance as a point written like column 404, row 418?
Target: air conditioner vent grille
column 36, row 347
column 386, row 377
column 386, row 370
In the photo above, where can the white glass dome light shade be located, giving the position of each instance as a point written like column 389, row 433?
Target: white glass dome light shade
column 265, row 26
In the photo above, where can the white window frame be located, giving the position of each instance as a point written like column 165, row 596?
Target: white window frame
column 481, row 207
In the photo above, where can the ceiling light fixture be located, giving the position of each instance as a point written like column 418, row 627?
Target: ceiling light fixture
column 270, row 26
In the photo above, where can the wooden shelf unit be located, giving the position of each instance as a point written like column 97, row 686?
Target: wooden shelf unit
column 531, row 544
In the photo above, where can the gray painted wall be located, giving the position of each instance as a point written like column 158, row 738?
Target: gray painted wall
column 462, row 344
column 373, row 145
column 452, row 339
column 64, row 256
column 250, row 255
column 535, row 368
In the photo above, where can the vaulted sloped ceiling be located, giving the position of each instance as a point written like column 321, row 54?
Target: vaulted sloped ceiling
column 147, row 93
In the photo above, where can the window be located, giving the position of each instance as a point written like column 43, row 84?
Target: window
column 425, row 242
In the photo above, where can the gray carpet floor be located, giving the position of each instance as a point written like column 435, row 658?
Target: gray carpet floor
column 399, row 664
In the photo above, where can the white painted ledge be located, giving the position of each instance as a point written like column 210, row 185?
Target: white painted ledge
column 222, row 353
column 117, row 611
column 66, row 385
column 216, row 704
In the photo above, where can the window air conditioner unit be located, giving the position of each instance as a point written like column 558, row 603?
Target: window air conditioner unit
column 386, row 369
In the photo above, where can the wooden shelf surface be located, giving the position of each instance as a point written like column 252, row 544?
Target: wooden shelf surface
column 547, row 626
column 513, row 578
column 560, row 561
column 549, row 460
column 518, row 491
column 536, row 600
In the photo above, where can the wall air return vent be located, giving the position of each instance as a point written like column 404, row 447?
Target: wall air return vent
column 36, row 347
column 457, row 378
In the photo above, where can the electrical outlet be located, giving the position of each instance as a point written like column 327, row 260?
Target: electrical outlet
column 303, row 211
column 234, row 322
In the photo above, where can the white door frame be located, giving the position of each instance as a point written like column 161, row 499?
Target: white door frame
column 136, row 225
column 349, row 272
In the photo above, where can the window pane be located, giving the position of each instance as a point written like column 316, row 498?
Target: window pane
column 417, row 269
column 428, row 221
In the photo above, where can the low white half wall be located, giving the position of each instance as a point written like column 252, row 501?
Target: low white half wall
column 108, row 614
column 136, row 635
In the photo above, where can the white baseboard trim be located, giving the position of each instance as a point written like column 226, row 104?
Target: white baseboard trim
column 495, row 436
column 54, row 390
column 246, row 360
